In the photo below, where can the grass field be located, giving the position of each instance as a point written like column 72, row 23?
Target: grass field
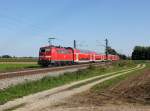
column 51, row 82
column 18, row 59
column 16, row 66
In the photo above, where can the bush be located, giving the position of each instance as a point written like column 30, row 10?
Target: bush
column 6, row 56
column 91, row 67
column 124, row 63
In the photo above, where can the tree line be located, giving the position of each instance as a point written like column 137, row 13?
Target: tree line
column 114, row 52
column 9, row 56
column 141, row 53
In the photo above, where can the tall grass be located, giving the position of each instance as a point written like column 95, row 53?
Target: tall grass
column 124, row 63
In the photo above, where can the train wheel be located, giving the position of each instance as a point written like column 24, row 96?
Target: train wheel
column 55, row 64
column 64, row 63
column 70, row 63
column 59, row 63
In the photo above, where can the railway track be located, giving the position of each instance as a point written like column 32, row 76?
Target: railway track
column 41, row 70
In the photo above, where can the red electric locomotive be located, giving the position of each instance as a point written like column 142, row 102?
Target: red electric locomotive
column 57, row 55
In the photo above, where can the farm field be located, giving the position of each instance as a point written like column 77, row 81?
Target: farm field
column 17, row 64
column 124, row 93
column 8, row 67
column 18, row 60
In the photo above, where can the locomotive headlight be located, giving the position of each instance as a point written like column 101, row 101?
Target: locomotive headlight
column 48, row 56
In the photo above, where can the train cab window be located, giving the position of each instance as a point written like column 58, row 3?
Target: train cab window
column 47, row 50
column 42, row 50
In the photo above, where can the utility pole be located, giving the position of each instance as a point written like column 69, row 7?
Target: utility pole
column 106, row 48
column 50, row 40
column 74, row 44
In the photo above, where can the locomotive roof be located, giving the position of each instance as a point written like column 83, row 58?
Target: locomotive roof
column 54, row 46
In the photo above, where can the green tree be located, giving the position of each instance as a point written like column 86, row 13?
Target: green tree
column 6, row 56
column 114, row 52
column 141, row 53
column 111, row 51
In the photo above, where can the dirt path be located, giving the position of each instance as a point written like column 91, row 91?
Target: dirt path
column 42, row 100
column 102, row 108
column 130, row 94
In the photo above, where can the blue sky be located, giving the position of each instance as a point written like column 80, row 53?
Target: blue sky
column 26, row 25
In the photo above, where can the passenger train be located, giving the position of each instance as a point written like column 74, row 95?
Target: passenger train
column 57, row 55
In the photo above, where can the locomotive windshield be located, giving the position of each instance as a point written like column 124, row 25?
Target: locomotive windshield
column 45, row 50
column 42, row 50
